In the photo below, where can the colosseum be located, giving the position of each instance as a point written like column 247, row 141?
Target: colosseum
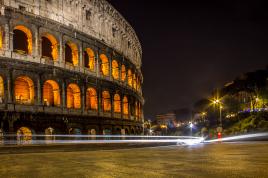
column 68, row 67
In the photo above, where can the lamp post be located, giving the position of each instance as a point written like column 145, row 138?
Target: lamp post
column 218, row 103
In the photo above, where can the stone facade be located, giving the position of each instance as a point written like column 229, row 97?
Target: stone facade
column 93, row 24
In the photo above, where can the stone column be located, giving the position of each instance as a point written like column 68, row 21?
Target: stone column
column 7, row 36
column 97, row 64
column 9, row 87
column 112, row 104
column 63, row 94
column 10, row 34
column 99, row 101
column 81, row 60
column 110, row 67
column 60, row 48
column 83, row 98
column 39, row 90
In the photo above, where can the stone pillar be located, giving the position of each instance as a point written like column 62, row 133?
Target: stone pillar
column 63, row 94
column 83, row 98
column 97, row 64
column 81, row 56
column 7, row 36
column 110, row 67
column 99, row 101
column 9, row 87
column 60, row 48
column 112, row 104
column 39, row 90
column 35, row 43
column 10, row 34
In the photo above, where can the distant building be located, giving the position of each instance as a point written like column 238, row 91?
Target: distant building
column 168, row 119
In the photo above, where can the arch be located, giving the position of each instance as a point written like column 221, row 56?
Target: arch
column 132, row 131
column 92, row 99
column 71, row 53
column 22, row 40
column 92, row 132
column 126, row 131
column 49, row 46
column 75, row 131
column 106, row 101
column 130, row 79
column 2, row 90
column 24, row 134
column 73, row 96
column 117, row 103
column 51, row 93
column 89, row 58
column 104, row 65
column 24, row 90
column 123, row 72
column 125, row 106
column 115, row 70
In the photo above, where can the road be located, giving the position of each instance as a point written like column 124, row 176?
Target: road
column 230, row 160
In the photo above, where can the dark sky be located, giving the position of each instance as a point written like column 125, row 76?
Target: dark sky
column 192, row 47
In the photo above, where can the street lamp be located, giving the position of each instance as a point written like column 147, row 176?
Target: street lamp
column 218, row 103
column 191, row 125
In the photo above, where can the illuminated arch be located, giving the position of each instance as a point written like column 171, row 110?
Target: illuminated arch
column 92, row 99
column 24, row 134
column 89, row 58
column 104, row 65
column 115, row 70
column 22, row 40
column 24, row 90
column 123, row 73
column 73, row 97
column 49, row 46
column 125, row 106
column 117, row 103
column 71, row 53
column 130, row 78
column 106, row 101
column 2, row 90
column 51, row 93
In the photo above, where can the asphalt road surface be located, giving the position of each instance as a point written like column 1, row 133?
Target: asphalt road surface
column 230, row 160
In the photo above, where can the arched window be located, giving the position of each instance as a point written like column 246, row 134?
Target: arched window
column 106, row 101
column 24, row 134
column 22, row 40
column 49, row 47
column 71, row 54
column 117, row 103
column 104, row 65
column 123, row 73
column 125, row 105
column 2, row 89
column 92, row 99
column 115, row 70
column 89, row 58
column 73, row 97
column 51, row 93
column 130, row 79
column 24, row 90
column 134, row 82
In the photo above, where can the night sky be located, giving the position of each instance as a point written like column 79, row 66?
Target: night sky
column 190, row 47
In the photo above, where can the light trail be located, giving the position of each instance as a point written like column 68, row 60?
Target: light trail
column 238, row 138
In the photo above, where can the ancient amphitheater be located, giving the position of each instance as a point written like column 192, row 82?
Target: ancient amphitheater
column 68, row 67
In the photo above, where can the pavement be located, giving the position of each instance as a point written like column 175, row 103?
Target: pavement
column 230, row 160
